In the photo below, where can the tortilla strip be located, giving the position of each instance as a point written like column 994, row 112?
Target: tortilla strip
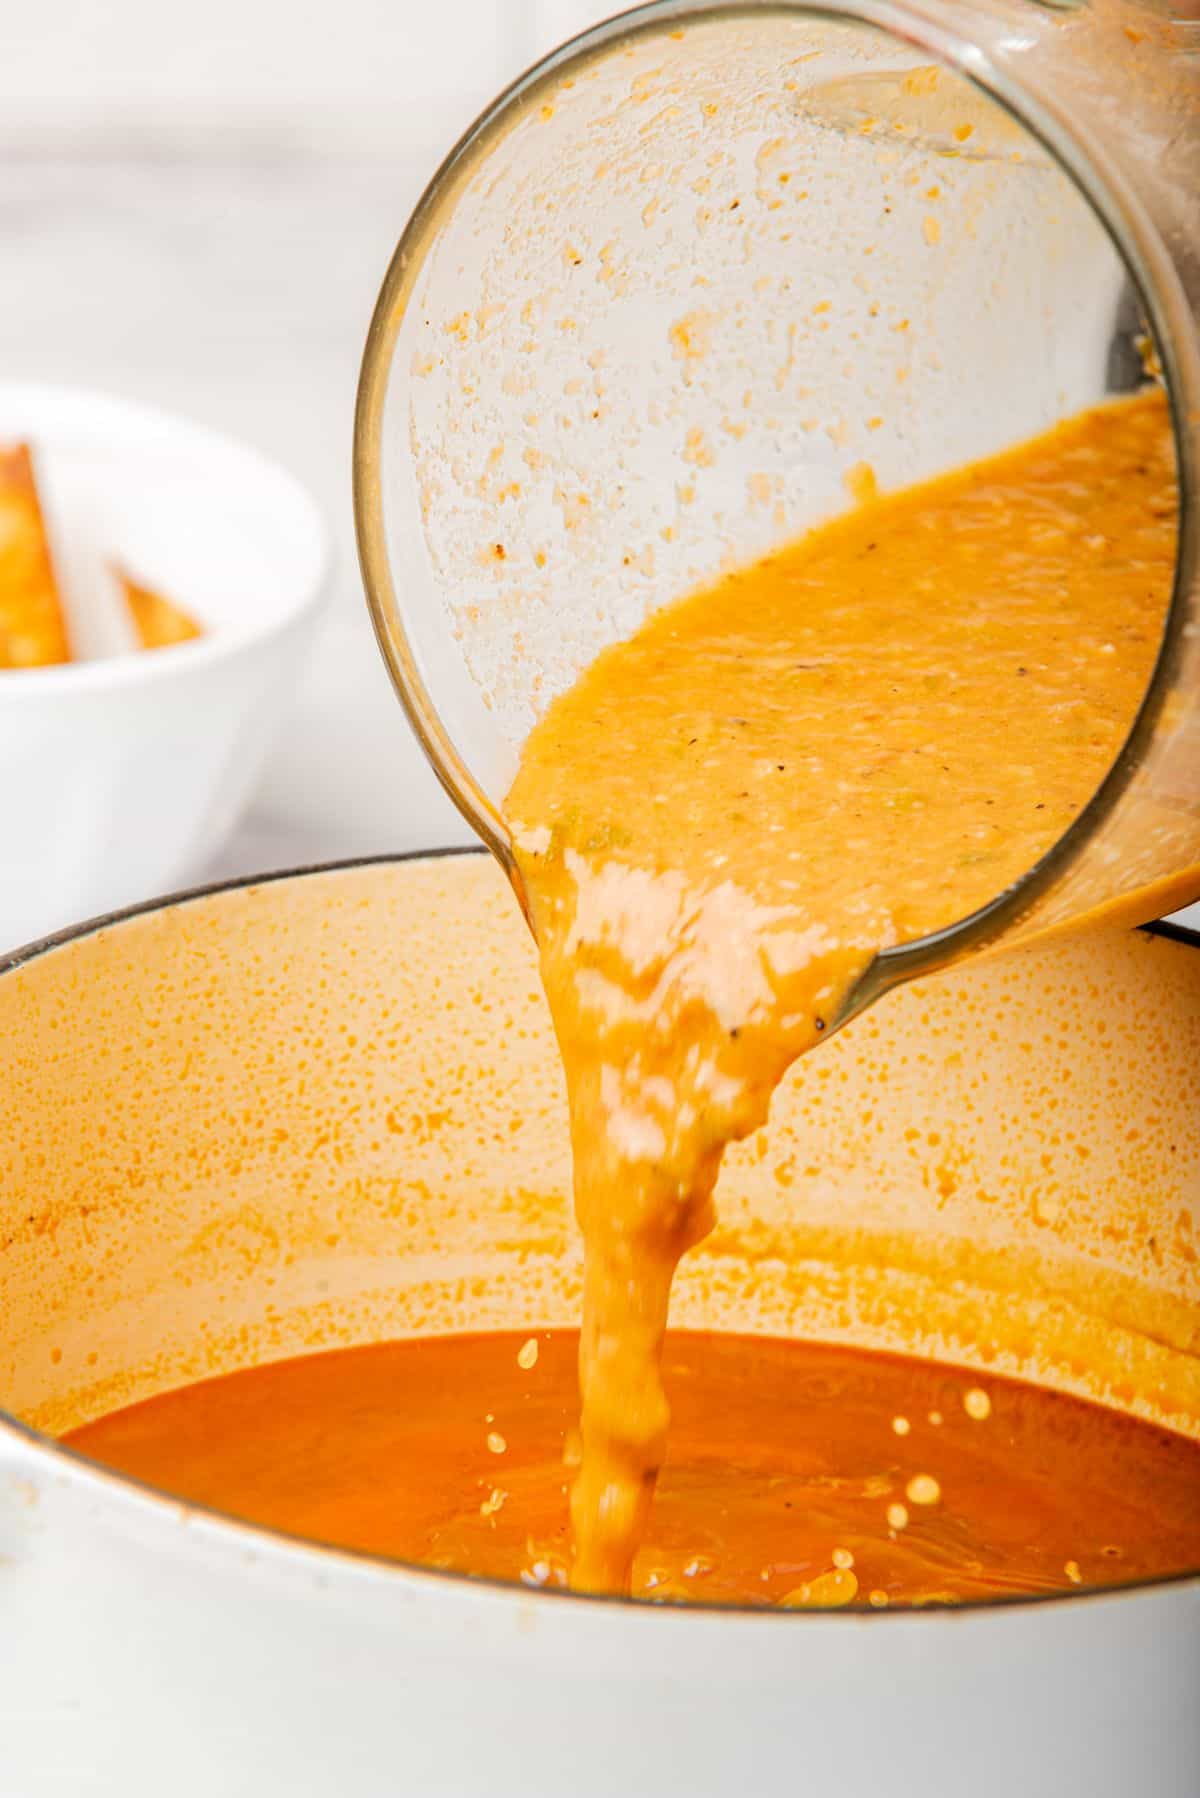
column 33, row 632
column 156, row 620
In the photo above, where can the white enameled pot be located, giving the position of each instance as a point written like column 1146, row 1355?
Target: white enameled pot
column 325, row 1109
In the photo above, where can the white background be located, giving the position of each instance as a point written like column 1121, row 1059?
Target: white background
column 340, row 75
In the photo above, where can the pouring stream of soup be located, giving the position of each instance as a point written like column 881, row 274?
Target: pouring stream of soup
column 850, row 744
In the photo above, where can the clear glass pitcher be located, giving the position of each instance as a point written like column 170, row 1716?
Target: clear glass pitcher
column 701, row 263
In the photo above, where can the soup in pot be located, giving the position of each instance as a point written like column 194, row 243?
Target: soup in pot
column 797, row 1474
column 854, row 742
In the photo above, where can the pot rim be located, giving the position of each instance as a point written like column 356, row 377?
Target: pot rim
column 242, row 1534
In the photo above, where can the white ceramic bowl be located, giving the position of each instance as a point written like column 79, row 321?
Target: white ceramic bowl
column 119, row 776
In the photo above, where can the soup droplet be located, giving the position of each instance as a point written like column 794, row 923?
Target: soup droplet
column 837, row 1587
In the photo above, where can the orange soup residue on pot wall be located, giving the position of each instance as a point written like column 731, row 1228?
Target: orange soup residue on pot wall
column 796, row 1474
column 850, row 744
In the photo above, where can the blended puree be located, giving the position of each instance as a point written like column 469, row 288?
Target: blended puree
column 856, row 741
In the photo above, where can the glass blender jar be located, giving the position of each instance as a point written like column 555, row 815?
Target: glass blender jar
column 698, row 265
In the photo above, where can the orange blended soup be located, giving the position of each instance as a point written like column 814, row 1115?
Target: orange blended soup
column 798, row 1474
column 856, row 741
